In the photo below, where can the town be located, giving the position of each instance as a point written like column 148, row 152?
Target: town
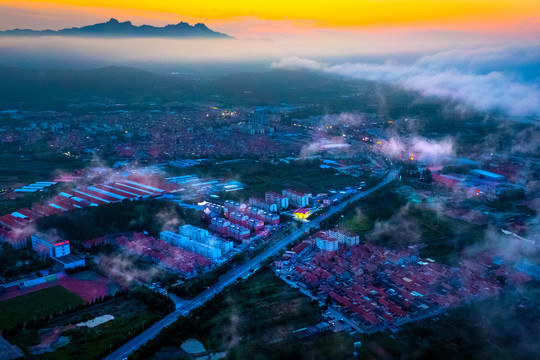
column 162, row 211
column 312, row 182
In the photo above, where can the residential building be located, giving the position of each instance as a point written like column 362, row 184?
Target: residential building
column 208, row 251
column 326, row 242
column 281, row 201
column 263, row 204
column 296, row 198
column 219, row 225
column 345, row 237
column 238, row 232
column 172, row 238
column 193, row 232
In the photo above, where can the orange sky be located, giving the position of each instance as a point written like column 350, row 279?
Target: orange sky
column 482, row 15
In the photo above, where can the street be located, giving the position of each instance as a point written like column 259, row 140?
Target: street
column 241, row 271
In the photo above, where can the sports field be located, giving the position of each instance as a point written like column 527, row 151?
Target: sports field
column 36, row 305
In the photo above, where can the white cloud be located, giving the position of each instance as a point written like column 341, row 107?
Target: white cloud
column 422, row 149
column 435, row 75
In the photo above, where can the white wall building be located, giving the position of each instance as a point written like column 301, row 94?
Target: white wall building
column 296, row 198
column 172, row 238
column 184, row 242
column 344, row 237
column 193, row 232
column 50, row 245
column 281, row 201
column 326, row 242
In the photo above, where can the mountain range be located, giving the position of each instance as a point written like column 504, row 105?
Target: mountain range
column 114, row 28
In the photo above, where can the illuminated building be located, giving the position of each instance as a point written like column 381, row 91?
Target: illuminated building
column 50, row 245
column 302, row 213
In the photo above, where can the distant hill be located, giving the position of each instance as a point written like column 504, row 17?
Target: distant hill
column 130, row 88
column 43, row 86
column 114, row 28
column 275, row 86
column 56, row 89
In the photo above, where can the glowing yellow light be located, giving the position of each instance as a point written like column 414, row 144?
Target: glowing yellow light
column 323, row 13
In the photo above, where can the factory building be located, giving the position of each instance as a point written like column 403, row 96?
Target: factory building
column 16, row 239
column 482, row 174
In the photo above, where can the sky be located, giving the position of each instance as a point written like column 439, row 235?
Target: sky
column 248, row 19
column 483, row 54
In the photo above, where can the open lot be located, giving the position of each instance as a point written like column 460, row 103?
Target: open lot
column 335, row 346
column 67, row 341
column 60, row 338
column 36, row 305
column 245, row 319
column 387, row 219
column 503, row 327
column 262, row 308
column 87, row 285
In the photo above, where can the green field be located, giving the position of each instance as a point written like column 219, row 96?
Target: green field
column 498, row 328
column 334, row 346
column 130, row 317
column 262, row 308
column 387, row 219
column 245, row 319
column 92, row 222
column 36, row 305
column 260, row 177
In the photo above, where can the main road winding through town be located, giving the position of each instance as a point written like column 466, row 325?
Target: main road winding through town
column 241, row 271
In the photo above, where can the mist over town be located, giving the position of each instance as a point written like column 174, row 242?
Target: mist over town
column 269, row 181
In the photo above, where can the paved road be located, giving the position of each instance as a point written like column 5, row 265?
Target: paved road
column 240, row 271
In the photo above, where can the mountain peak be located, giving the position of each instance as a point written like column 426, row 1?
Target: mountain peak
column 115, row 28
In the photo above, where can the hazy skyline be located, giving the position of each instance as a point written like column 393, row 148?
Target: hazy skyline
column 483, row 54
column 285, row 18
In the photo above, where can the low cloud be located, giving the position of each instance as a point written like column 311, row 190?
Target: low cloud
column 122, row 268
column 436, row 75
column 422, row 149
column 319, row 146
